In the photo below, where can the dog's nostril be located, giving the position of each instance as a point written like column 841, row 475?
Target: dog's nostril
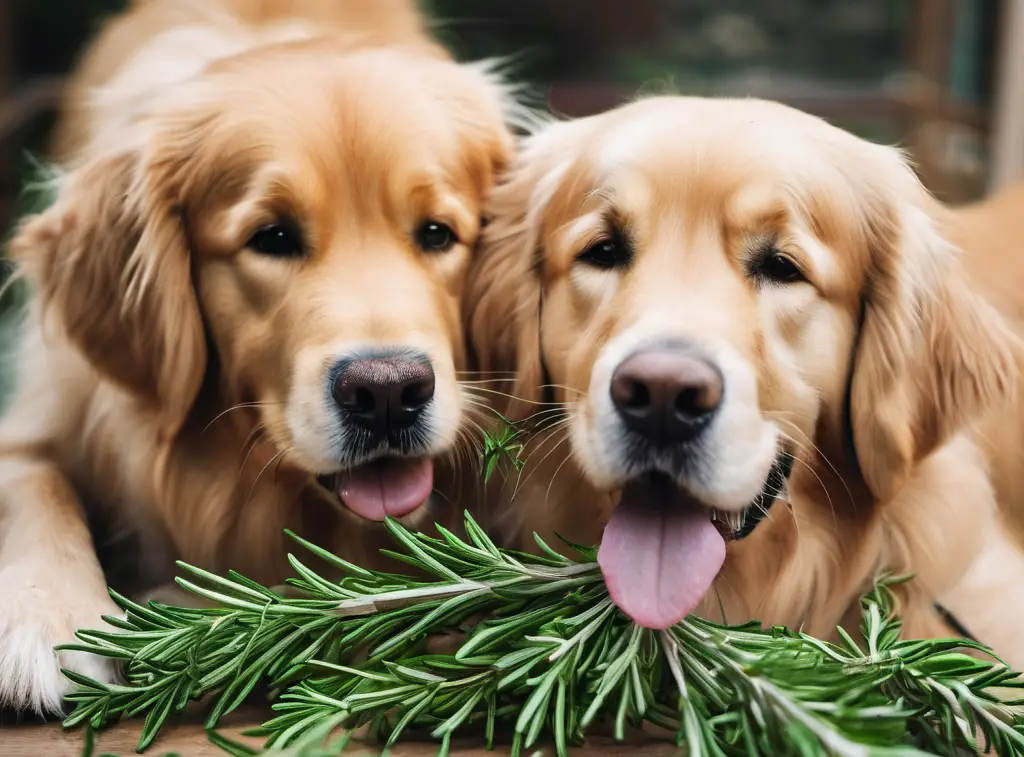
column 363, row 400
column 687, row 401
column 698, row 400
column 639, row 396
column 629, row 393
column 703, row 394
column 417, row 394
column 354, row 398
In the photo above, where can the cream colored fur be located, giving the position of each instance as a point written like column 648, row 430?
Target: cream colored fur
column 873, row 368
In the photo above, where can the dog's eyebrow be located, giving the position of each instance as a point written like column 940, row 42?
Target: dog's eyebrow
column 616, row 217
column 759, row 242
column 424, row 188
column 604, row 193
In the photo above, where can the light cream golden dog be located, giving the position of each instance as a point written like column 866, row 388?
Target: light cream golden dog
column 732, row 303
column 247, row 304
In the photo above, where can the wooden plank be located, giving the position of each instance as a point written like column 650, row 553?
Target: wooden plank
column 1007, row 141
column 189, row 740
column 930, row 42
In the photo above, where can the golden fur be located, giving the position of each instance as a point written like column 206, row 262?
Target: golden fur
column 171, row 378
column 990, row 234
column 158, row 42
column 872, row 369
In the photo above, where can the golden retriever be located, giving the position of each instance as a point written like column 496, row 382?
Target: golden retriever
column 247, row 308
column 731, row 304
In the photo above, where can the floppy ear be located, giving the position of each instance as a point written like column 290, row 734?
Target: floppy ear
column 110, row 262
column 504, row 286
column 932, row 354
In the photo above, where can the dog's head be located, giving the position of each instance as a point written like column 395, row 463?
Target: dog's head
column 713, row 287
column 293, row 225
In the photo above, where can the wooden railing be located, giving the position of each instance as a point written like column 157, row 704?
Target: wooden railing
column 7, row 178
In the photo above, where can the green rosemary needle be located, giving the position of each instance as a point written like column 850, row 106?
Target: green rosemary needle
column 552, row 656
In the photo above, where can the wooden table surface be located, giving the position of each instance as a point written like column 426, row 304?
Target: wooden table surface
column 187, row 738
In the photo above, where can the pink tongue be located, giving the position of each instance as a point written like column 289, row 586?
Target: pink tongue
column 389, row 486
column 659, row 554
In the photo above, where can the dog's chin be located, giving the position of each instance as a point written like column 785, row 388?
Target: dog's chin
column 388, row 486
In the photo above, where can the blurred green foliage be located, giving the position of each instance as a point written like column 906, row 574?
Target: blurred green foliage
column 851, row 40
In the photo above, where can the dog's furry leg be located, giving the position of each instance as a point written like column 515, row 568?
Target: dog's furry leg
column 51, row 585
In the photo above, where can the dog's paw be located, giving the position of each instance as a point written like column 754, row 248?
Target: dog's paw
column 35, row 619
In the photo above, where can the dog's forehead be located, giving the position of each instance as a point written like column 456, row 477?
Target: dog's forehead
column 372, row 107
column 708, row 146
column 339, row 146
column 736, row 161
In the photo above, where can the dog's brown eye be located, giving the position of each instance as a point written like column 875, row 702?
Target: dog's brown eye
column 281, row 240
column 781, row 268
column 773, row 266
column 606, row 254
column 436, row 237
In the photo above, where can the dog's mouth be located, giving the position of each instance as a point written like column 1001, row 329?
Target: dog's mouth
column 387, row 486
column 662, row 548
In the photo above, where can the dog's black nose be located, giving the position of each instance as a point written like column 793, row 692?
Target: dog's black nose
column 665, row 395
column 384, row 394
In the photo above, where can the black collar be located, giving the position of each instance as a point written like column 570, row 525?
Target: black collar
column 547, row 390
column 955, row 624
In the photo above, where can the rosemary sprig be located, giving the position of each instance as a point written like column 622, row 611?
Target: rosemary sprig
column 552, row 657
column 504, row 444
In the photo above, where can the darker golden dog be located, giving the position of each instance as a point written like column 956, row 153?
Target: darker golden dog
column 247, row 299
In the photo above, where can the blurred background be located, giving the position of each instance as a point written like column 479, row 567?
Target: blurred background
column 943, row 78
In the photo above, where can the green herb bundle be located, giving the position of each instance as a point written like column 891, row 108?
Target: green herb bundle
column 551, row 658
